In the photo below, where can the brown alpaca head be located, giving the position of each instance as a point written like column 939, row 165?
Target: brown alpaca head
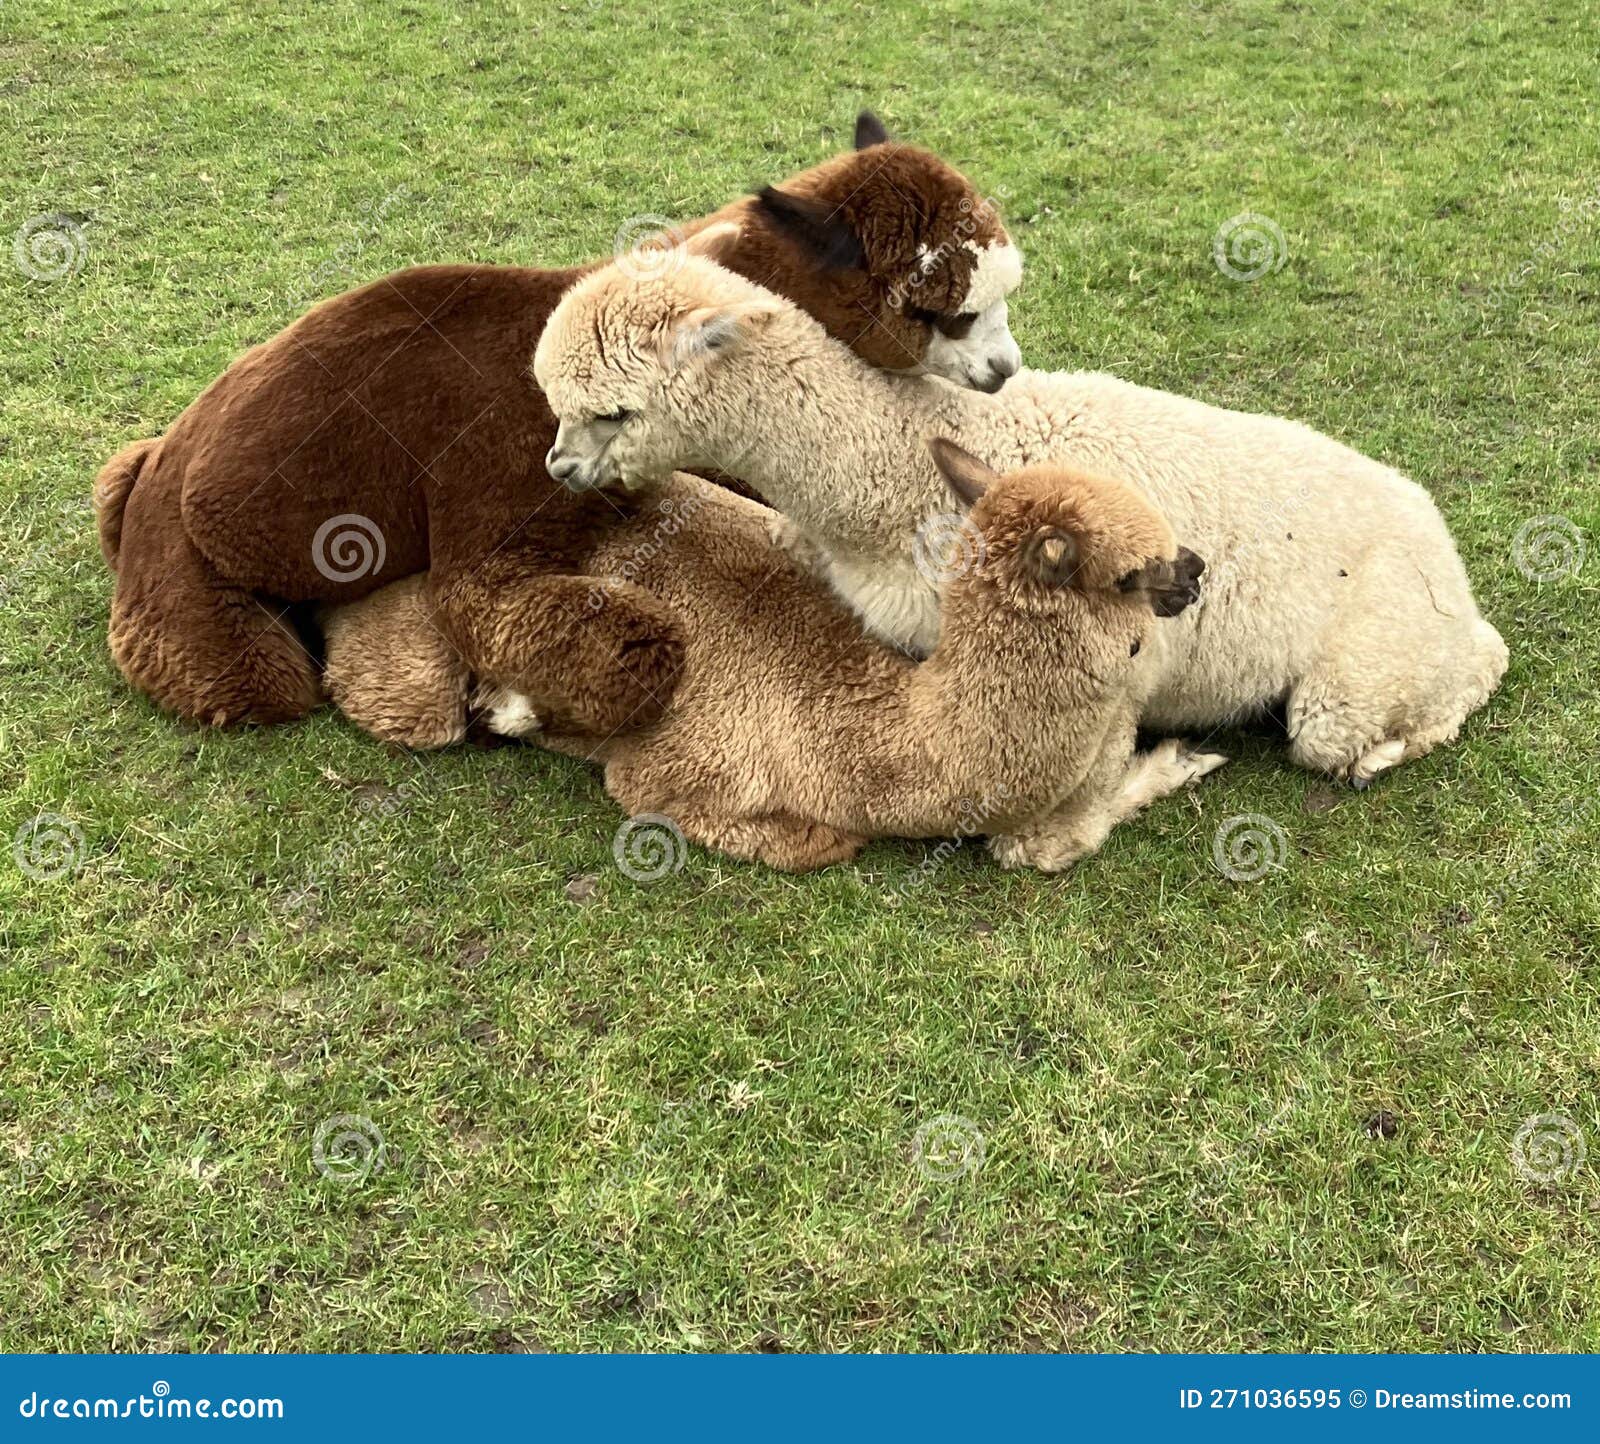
column 895, row 252
column 1057, row 540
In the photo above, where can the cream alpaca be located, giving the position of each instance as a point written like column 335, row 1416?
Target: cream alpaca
column 1335, row 585
column 793, row 736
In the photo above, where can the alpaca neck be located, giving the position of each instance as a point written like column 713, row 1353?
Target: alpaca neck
column 1007, row 709
column 834, row 444
column 994, row 661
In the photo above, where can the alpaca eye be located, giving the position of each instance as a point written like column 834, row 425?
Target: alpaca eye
column 1133, row 651
column 954, row 326
column 616, row 418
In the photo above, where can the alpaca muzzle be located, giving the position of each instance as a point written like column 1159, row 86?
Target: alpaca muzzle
column 997, row 370
column 983, row 359
column 1171, row 587
column 575, row 471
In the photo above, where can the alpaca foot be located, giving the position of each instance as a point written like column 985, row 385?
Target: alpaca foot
column 1044, row 849
column 508, row 713
column 1054, row 843
column 1166, row 767
column 1379, row 759
column 1182, row 762
column 787, row 536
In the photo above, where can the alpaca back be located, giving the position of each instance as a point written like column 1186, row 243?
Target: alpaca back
column 1288, row 520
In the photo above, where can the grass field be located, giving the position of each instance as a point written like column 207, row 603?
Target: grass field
column 308, row 1045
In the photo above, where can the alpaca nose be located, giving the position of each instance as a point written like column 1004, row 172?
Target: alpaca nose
column 565, row 469
column 1003, row 362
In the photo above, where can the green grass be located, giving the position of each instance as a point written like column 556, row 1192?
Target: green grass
column 683, row 1115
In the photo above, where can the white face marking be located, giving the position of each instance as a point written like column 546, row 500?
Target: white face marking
column 987, row 354
column 996, row 273
column 983, row 358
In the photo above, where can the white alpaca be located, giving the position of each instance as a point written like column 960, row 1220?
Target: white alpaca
column 1334, row 584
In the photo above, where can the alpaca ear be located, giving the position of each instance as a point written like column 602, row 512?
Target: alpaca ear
column 967, row 477
column 714, row 243
column 1171, row 586
column 711, row 332
column 869, row 130
column 815, row 225
column 1051, row 556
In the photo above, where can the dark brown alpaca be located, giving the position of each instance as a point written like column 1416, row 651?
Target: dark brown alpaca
column 397, row 429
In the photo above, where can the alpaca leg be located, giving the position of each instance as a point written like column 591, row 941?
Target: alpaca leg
column 1397, row 679
column 392, row 672
column 780, row 840
column 590, row 657
column 194, row 643
column 1081, row 825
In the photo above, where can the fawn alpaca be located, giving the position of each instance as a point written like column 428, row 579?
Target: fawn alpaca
column 794, row 737
column 1335, row 585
